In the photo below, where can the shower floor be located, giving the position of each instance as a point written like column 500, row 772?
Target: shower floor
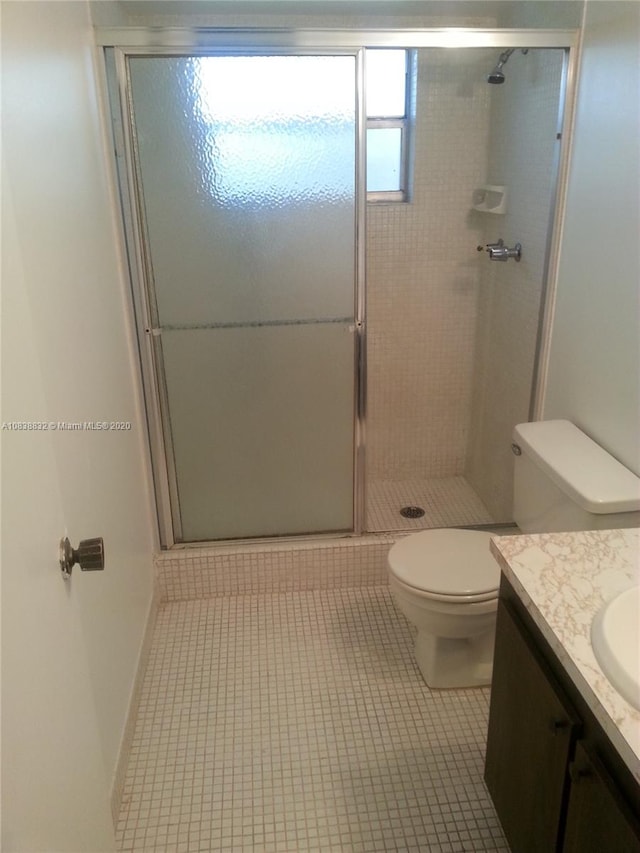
column 448, row 502
column 299, row 722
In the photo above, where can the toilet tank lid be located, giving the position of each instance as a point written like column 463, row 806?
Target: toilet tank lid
column 581, row 468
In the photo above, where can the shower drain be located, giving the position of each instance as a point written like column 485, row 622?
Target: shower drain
column 412, row 512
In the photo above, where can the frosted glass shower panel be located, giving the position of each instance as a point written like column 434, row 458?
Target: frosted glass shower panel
column 262, row 429
column 246, row 177
column 247, row 165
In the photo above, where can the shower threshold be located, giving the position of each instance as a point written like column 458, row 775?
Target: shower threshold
column 447, row 502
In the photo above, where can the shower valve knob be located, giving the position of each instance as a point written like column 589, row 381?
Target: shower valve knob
column 89, row 555
column 499, row 252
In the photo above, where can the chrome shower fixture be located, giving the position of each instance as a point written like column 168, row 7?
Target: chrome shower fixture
column 499, row 252
column 497, row 75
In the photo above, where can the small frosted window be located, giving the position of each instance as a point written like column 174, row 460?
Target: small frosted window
column 384, row 159
column 388, row 108
column 386, row 83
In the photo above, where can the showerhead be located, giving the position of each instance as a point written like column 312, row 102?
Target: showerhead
column 497, row 75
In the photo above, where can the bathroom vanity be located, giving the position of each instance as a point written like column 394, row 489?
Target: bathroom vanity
column 563, row 747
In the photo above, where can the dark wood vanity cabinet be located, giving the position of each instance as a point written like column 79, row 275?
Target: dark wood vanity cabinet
column 597, row 819
column 531, row 733
column 555, row 780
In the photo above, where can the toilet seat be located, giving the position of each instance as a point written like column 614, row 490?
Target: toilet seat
column 447, row 565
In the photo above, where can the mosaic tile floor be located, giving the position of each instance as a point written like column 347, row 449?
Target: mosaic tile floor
column 299, row 722
column 448, row 502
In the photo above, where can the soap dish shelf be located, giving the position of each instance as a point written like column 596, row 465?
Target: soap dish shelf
column 490, row 199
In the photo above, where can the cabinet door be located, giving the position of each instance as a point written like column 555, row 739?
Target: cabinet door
column 597, row 819
column 531, row 730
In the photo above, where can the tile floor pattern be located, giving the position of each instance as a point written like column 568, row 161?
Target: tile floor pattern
column 448, row 502
column 299, row 722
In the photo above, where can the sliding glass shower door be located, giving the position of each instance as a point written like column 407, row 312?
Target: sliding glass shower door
column 245, row 173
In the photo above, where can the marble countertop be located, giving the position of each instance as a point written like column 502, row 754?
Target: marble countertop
column 563, row 579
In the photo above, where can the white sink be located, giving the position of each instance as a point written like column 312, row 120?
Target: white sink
column 615, row 637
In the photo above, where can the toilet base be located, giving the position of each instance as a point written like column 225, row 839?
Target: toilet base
column 455, row 662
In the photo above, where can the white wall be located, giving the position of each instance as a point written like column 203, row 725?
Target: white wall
column 543, row 14
column 508, row 13
column 594, row 368
column 54, row 784
column 69, row 650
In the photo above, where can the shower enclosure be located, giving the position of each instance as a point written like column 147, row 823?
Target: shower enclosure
column 258, row 261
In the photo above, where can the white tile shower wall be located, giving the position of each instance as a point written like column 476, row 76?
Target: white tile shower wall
column 422, row 280
column 269, row 568
column 522, row 148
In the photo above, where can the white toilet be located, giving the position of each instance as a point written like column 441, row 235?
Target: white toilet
column 446, row 581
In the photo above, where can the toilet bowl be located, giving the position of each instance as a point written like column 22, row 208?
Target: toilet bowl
column 446, row 584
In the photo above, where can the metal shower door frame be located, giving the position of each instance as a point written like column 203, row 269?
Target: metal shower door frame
column 120, row 44
column 139, row 260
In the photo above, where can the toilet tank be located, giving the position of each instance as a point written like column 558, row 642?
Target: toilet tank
column 564, row 481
